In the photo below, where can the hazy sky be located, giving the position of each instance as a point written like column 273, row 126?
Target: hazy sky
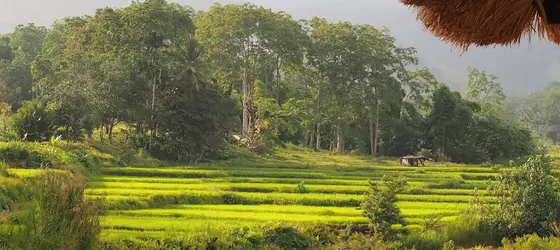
column 521, row 69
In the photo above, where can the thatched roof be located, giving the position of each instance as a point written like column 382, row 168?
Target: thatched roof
column 466, row 23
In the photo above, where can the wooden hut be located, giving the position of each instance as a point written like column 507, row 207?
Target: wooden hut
column 465, row 23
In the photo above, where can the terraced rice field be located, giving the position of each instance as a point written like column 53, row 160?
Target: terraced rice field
column 155, row 201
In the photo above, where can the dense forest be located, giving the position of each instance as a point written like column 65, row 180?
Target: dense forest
column 184, row 84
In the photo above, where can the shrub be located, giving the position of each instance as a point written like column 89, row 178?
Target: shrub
column 287, row 237
column 428, row 153
column 450, row 245
column 531, row 242
column 467, row 230
column 33, row 122
column 425, row 240
column 223, row 238
column 358, row 241
column 527, row 200
column 22, row 155
column 3, row 168
column 60, row 217
column 8, row 135
column 301, row 188
column 379, row 204
column 12, row 190
column 453, row 184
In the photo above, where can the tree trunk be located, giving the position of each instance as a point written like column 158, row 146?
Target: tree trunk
column 101, row 130
column 371, row 136
column 376, row 140
column 32, row 90
column 318, row 141
column 339, row 139
column 317, row 114
column 331, row 139
column 249, row 122
column 245, row 114
column 306, row 137
column 110, row 131
column 251, row 113
column 152, row 109
column 278, row 64
column 401, row 112
column 312, row 138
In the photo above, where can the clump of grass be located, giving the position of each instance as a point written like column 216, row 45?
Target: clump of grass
column 287, row 237
column 59, row 216
column 3, row 168
column 454, row 184
column 301, row 188
column 467, row 230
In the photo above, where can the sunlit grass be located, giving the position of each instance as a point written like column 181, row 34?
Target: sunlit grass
column 251, row 190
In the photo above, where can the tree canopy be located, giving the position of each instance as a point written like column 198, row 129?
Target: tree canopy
column 182, row 83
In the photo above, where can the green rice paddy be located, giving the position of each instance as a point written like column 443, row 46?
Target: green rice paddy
column 254, row 191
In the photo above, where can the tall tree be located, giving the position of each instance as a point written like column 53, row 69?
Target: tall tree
column 16, row 81
column 240, row 35
column 485, row 89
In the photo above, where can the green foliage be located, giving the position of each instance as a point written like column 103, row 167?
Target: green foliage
column 453, row 128
column 285, row 237
column 78, row 157
column 450, row 245
column 531, row 242
column 12, row 190
column 528, row 200
column 280, row 124
column 468, row 230
column 3, row 168
column 5, row 113
column 33, row 122
column 59, row 218
column 346, row 240
column 18, row 50
column 70, row 116
column 379, row 204
column 301, row 188
column 484, row 89
column 537, row 112
column 428, row 153
column 194, row 123
column 429, row 240
column 24, row 156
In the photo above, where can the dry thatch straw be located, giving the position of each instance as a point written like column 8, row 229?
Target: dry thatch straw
column 549, row 31
column 465, row 23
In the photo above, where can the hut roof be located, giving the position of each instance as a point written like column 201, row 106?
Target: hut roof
column 465, row 23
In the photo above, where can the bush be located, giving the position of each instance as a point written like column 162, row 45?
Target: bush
column 12, row 190
column 453, row 184
column 527, row 200
column 467, row 230
column 59, row 218
column 531, row 242
column 20, row 155
column 33, row 122
column 279, row 237
column 358, row 241
column 3, row 168
column 8, row 135
column 379, row 204
column 301, row 188
column 428, row 153
column 425, row 240
column 287, row 237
